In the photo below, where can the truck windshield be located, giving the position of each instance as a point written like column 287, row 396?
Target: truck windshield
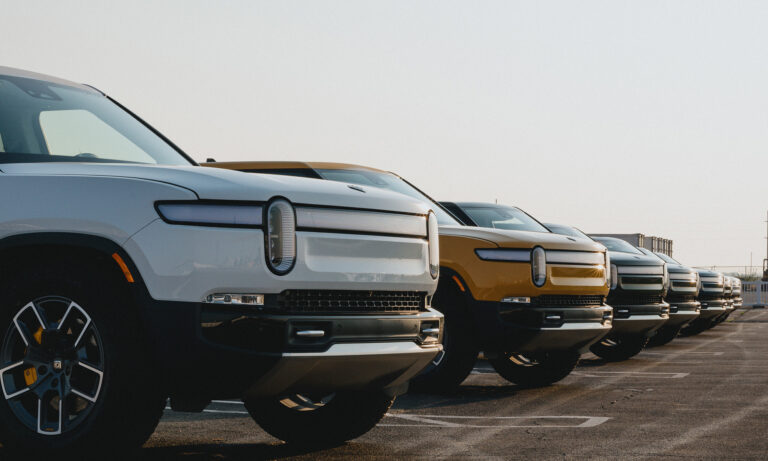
column 614, row 244
column 668, row 259
column 42, row 121
column 391, row 182
column 501, row 217
column 567, row 230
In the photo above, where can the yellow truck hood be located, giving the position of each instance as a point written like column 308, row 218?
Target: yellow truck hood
column 522, row 239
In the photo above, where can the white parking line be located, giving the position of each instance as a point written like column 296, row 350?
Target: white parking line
column 453, row 421
column 495, row 421
column 628, row 374
column 483, row 371
column 226, row 412
column 223, row 412
column 682, row 353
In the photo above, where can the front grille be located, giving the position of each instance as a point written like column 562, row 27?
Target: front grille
column 683, row 284
column 634, row 300
column 710, row 296
column 634, row 280
column 341, row 302
column 568, row 300
column 673, row 298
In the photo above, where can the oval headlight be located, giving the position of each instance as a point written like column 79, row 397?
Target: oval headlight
column 607, row 271
column 280, row 237
column 614, row 276
column 434, row 245
column 539, row 266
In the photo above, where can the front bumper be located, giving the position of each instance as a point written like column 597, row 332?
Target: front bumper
column 504, row 327
column 682, row 313
column 639, row 319
column 712, row 308
column 382, row 365
column 219, row 351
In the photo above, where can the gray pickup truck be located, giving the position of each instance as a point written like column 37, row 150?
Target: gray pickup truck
column 681, row 296
column 712, row 299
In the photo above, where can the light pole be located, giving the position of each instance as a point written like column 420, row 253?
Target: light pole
column 765, row 261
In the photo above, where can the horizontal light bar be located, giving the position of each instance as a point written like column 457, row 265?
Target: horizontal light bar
column 235, row 298
column 503, row 254
column 717, row 280
column 682, row 276
column 361, row 221
column 575, row 257
column 209, row 213
column 640, row 270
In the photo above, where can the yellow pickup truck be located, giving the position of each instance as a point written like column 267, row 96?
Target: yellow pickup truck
column 531, row 300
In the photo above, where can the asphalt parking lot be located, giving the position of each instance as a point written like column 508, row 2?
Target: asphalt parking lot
column 704, row 397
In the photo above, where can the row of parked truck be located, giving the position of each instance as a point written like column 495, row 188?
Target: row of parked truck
column 314, row 292
column 531, row 296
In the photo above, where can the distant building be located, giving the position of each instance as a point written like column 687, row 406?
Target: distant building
column 655, row 244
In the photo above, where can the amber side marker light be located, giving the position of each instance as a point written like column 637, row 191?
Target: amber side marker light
column 458, row 282
column 123, row 267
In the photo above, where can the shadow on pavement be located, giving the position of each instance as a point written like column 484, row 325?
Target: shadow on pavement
column 200, row 452
column 596, row 362
column 464, row 394
column 234, row 452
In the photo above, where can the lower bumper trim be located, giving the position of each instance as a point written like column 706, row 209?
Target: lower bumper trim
column 345, row 366
column 643, row 324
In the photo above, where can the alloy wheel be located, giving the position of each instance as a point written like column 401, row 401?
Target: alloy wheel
column 51, row 365
column 301, row 402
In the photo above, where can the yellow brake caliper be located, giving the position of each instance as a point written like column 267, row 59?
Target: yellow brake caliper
column 30, row 374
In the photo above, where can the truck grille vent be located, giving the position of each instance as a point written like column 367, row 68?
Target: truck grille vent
column 341, row 302
column 568, row 300
column 681, row 298
column 634, row 300
column 683, row 284
column 710, row 296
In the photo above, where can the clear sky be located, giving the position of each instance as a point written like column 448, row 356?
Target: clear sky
column 615, row 116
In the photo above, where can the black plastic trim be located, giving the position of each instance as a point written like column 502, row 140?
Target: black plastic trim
column 156, row 132
column 357, row 232
column 349, row 208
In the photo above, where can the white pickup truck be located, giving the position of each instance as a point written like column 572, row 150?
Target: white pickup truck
column 130, row 275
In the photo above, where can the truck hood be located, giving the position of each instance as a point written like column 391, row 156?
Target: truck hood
column 708, row 273
column 679, row 269
column 522, row 239
column 221, row 184
column 621, row 258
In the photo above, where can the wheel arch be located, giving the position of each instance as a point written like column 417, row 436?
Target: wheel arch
column 455, row 280
column 41, row 246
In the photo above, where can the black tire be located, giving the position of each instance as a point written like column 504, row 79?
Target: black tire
column 537, row 370
column 663, row 336
column 616, row 349
column 128, row 404
column 460, row 349
column 345, row 416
